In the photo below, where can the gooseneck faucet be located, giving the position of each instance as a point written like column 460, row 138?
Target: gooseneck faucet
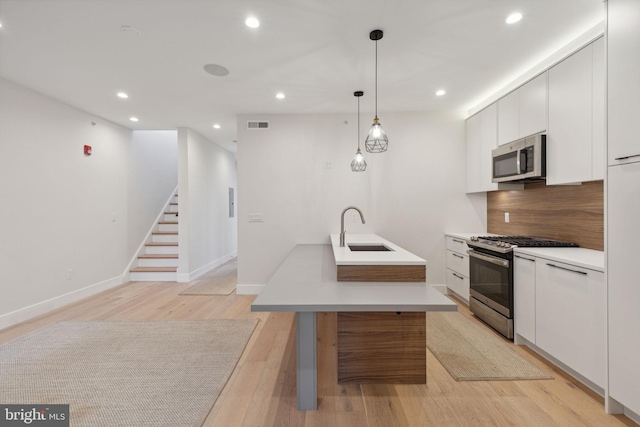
column 342, row 230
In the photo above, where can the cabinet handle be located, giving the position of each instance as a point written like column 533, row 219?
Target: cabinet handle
column 459, row 277
column 627, row 157
column 568, row 269
column 528, row 259
column 462, row 241
column 458, row 256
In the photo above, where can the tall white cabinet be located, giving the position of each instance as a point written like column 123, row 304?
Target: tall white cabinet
column 623, row 205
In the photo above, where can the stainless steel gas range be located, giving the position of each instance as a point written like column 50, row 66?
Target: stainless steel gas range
column 491, row 277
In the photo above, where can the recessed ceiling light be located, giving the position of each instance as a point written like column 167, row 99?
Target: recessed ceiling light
column 280, row 95
column 122, row 95
column 513, row 18
column 216, row 70
column 216, row 126
column 133, row 119
column 252, row 22
column 440, row 92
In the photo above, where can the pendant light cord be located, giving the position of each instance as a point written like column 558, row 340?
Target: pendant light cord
column 376, row 78
column 358, row 123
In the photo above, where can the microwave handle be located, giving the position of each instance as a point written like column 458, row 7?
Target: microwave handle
column 522, row 161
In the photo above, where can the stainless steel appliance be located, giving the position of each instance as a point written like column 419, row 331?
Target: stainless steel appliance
column 491, row 277
column 521, row 160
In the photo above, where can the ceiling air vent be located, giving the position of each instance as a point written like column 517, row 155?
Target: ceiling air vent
column 258, row 125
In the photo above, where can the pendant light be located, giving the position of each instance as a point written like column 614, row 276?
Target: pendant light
column 358, row 164
column 377, row 140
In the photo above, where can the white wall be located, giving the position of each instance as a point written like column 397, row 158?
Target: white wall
column 209, row 236
column 410, row 195
column 58, row 205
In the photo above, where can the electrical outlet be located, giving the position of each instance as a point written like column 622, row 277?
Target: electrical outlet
column 70, row 274
column 354, row 217
column 113, row 217
column 328, row 164
column 506, row 217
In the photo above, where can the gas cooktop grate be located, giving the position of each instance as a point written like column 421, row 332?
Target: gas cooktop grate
column 530, row 242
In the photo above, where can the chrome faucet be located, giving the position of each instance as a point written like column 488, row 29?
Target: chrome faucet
column 342, row 230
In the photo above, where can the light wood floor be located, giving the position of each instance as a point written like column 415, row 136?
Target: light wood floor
column 261, row 391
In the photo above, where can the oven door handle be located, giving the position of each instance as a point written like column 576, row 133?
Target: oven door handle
column 493, row 260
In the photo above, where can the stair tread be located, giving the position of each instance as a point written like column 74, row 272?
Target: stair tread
column 168, row 222
column 170, row 213
column 173, row 204
column 165, row 232
column 159, row 256
column 162, row 244
column 154, row 270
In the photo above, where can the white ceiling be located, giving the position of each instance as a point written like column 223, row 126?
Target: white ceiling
column 317, row 52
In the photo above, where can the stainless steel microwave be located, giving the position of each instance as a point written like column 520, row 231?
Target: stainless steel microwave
column 521, row 160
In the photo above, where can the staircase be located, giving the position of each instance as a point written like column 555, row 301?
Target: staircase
column 159, row 263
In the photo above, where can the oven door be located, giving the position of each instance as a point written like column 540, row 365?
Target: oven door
column 491, row 281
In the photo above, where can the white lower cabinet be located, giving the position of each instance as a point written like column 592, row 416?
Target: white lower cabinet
column 457, row 266
column 524, row 301
column 570, row 317
column 560, row 308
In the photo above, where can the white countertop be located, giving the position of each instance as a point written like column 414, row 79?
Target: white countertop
column 467, row 236
column 580, row 257
column 345, row 256
column 306, row 282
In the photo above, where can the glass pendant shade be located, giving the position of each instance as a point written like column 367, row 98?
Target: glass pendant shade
column 377, row 140
column 358, row 164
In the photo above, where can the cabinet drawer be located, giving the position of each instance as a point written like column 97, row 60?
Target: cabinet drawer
column 458, row 284
column 457, row 245
column 458, row 263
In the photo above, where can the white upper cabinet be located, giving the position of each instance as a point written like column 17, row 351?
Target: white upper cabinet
column 598, row 149
column 623, row 51
column 523, row 112
column 481, row 139
column 509, row 118
column 575, row 135
column 533, row 106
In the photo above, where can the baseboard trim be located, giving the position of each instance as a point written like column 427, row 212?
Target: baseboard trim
column 34, row 310
column 248, row 289
column 185, row 278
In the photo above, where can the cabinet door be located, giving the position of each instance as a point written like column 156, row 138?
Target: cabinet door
column 473, row 139
column 524, row 297
column 570, row 317
column 481, row 139
column 598, row 161
column 509, row 118
column 623, row 69
column 623, row 253
column 488, row 141
column 533, row 106
column 570, row 114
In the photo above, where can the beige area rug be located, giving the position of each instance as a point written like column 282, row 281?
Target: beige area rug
column 470, row 352
column 221, row 281
column 157, row 373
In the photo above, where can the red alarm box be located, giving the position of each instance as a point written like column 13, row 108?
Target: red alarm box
column 87, row 150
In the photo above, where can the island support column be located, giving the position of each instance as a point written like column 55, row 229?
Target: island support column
column 306, row 361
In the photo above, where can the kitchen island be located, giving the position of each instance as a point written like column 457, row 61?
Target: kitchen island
column 306, row 283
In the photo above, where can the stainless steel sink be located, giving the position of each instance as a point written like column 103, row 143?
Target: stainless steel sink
column 371, row 247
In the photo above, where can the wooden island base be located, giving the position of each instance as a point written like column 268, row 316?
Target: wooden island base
column 382, row 347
